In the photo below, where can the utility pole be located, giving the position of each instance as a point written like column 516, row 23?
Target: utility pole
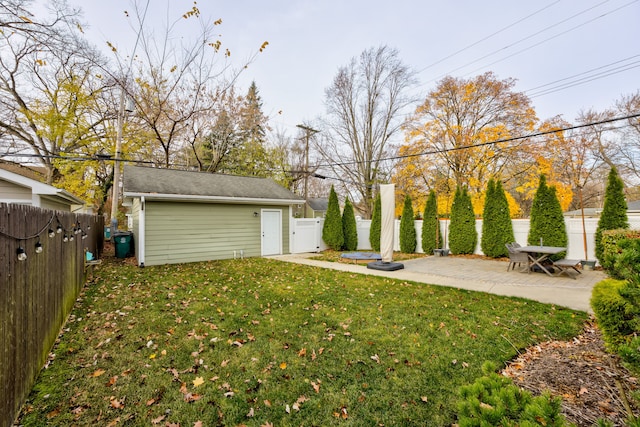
column 308, row 132
column 116, row 166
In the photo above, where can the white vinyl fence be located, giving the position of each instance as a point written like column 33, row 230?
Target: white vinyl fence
column 307, row 235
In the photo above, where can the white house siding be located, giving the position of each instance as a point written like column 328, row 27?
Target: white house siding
column 135, row 219
column 190, row 232
column 12, row 193
column 53, row 205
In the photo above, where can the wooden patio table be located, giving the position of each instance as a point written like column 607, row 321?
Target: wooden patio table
column 538, row 254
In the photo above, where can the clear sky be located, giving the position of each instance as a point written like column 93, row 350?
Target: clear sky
column 536, row 42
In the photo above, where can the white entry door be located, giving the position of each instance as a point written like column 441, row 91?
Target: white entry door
column 271, row 232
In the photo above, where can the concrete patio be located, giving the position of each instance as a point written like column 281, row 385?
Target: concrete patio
column 479, row 275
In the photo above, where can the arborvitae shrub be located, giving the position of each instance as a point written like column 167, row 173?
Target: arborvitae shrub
column 547, row 221
column 349, row 227
column 408, row 237
column 376, row 225
column 332, row 233
column 431, row 233
column 497, row 229
column 462, row 229
column 614, row 212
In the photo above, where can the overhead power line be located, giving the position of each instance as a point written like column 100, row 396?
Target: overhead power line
column 519, row 41
column 547, row 39
column 583, row 80
column 487, row 37
column 318, row 175
column 498, row 141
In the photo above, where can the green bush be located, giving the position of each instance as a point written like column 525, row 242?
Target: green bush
column 332, row 233
column 349, row 227
column 376, row 225
column 493, row 400
column 547, row 220
column 616, row 303
column 462, row 229
column 408, row 236
column 497, row 228
column 614, row 211
column 610, row 247
column 614, row 314
column 431, row 232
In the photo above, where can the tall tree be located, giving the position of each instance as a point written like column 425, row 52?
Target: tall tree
column 431, row 233
column 460, row 124
column 250, row 156
column 50, row 86
column 547, row 226
column 364, row 105
column 349, row 228
column 497, row 228
column 212, row 139
column 173, row 85
column 332, row 232
column 614, row 212
column 462, row 229
column 408, row 236
column 629, row 135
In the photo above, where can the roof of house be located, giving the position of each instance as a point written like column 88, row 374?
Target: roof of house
column 319, row 205
column 40, row 188
column 34, row 172
column 595, row 212
column 169, row 184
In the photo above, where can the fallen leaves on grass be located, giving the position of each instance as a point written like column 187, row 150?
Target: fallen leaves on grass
column 198, row 381
column 98, row 372
column 187, row 395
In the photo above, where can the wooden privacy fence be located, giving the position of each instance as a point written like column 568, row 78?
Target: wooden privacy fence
column 42, row 270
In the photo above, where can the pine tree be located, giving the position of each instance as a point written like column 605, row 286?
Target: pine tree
column 250, row 156
column 547, row 224
column 349, row 227
column 408, row 237
column 332, row 233
column 376, row 225
column 431, row 233
column 614, row 212
column 462, row 229
column 497, row 228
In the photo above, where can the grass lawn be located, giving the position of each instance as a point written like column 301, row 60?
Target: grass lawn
column 259, row 342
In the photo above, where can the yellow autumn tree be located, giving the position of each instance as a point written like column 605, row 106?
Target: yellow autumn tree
column 461, row 135
column 568, row 160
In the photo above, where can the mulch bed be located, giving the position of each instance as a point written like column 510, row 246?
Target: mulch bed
column 588, row 379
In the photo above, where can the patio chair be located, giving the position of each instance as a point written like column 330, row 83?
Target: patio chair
column 516, row 257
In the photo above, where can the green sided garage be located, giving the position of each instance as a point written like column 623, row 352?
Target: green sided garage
column 183, row 216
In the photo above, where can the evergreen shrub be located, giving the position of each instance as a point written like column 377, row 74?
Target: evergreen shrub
column 493, row 400
column 376, row 225
column 547, row 221
column 497, row 228
column 431, row 233
column 332, row 233
column 614, row 211
column 349, row 227
column 462, row 228
column 408, row 236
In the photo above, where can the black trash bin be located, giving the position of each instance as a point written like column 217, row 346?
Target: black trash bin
column 122, row 240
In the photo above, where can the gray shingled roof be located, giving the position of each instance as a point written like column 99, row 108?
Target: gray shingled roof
column 154, row 181
column 633, row 206
column 319, row 205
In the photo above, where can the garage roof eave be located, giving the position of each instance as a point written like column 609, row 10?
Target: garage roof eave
column 212, row 199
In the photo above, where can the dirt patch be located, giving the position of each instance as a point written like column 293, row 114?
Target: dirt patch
column 588, row 379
